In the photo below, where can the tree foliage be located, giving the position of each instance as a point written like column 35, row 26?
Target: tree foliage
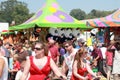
column 78, row 14
column 97, row 14
column 13, row 10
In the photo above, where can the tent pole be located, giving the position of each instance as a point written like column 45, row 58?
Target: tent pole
column 107, row 35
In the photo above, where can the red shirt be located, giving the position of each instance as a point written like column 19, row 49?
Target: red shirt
column 39, row 74
column 81, row 72
column 54, row 52
column 16, row 65
column 109, row 58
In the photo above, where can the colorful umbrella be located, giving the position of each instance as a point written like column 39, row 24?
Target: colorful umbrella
column 51, row 15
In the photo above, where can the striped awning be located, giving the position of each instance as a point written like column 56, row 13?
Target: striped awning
column 112, row 20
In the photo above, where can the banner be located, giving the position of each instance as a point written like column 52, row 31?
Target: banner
column 4, row 26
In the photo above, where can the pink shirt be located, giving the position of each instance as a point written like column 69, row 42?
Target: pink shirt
column 109, row 58
column 54, row 52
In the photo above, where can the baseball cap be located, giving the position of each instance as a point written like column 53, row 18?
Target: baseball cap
column 81, row 40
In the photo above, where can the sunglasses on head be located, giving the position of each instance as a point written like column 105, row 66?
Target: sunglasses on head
column 38, row 48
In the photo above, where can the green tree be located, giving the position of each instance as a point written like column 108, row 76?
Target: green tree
column 13, row 10
column 97, row 14
column 78, row 14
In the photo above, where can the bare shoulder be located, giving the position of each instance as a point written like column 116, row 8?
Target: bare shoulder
column 51, row 60
column 2, row 61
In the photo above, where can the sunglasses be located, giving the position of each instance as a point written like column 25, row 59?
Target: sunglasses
column 38, row 48
column 66, row 46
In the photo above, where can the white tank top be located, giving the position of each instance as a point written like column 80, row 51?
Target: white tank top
column 5, row 69
column 69, row 61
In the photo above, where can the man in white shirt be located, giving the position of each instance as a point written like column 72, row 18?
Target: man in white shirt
column 103, row 50
column 68, row 59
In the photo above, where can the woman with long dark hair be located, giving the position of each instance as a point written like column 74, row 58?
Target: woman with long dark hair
column 81, row 67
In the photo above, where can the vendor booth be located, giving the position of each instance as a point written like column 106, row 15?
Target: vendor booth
column 110, row 23
column 50, row 15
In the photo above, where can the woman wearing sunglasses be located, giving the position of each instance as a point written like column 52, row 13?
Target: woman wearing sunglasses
column 40, row 65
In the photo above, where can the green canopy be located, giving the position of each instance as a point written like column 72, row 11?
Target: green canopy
column 51, row 15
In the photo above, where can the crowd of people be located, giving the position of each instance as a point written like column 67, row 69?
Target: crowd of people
column 41, row 60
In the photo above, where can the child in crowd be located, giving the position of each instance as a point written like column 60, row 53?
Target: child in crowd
column 16, row 67
column 22, row 59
